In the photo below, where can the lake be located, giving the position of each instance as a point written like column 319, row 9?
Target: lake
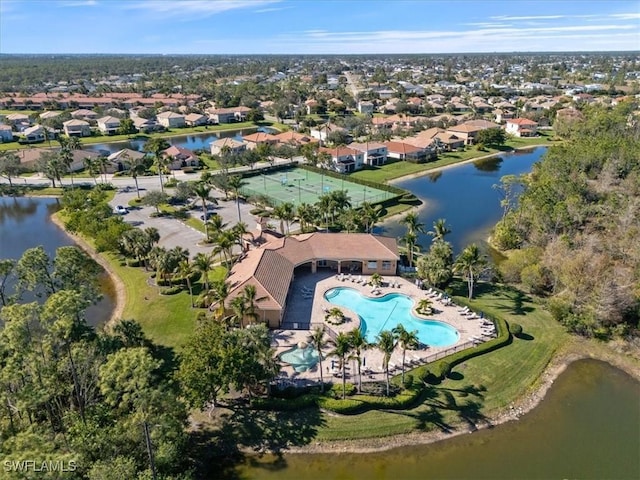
column 197, row 141
column 587, row 427
column 465, row 196
column 26, row 223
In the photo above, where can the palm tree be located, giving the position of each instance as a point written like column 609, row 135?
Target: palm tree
column 386, row 344
column 203, row 263
column 370, row 215
column 157, row 146
column 69, row 144
column 103, row 163
column 342, row 350
column 358, row 344
column 249, row 296
column 220, row 293
column 470, row 263
column 236, row 183
column 424, row 306
column 225, row 241
column 350, row 220
column 412, row 222
column 440, row 230
column 241, row 229
column 410, row 241
column 92, row 167
column 239, row 307
column 137, row 166
column 306, row 215
column 376, row 279
column 317, row 339
column 203, row 192
column 186, row 269
column 407, row 340
column 216, row 225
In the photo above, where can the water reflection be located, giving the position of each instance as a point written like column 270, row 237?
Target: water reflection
column 26, row 223
column 488, row 164
column 465, row 196
column 198, row 141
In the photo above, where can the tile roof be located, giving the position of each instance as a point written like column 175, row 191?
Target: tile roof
column 270, row 267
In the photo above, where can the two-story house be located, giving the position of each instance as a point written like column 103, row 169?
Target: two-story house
column 344, row 159
column 108, row 125
column 374, row 153
column 521, row 127
column 76, row 128
column 171, row 120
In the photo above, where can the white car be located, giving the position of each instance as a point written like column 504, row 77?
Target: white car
column 120, row 210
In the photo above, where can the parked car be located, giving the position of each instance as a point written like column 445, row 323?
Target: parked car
column 121, row 210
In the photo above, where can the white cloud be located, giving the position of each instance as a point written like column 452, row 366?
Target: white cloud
column 79, row 3
column 199, row 7
column 625, row 16
column 529, row 17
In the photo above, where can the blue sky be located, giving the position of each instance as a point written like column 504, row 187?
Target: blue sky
column 316, row 26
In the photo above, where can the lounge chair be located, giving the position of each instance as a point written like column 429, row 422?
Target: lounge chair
column 464, row 310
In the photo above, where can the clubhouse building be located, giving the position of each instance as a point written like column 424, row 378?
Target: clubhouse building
column 271, row 267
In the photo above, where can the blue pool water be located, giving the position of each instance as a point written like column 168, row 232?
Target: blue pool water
column 386, row 312
column 301, row 359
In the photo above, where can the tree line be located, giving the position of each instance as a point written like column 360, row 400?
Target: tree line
column 574, row 229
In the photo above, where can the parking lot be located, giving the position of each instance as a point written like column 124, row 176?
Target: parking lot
column 174, row 232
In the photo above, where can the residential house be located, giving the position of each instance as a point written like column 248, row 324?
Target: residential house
column 34, row 134
column 49, row 114
column 78, row 158
column 119, row 161
column 171, row 120
column 345, row 159
column 6, row 134
column 76, row 128
column 84, row 114
column 19, row 121
column 108, row 125
column 146, row 125
column 366, row 107
column 181, row 157
column 196, row 119
column 259, row 138
column 382, row 123
column 502, row 116
column 322, row 131
column 228, row 115
column 374, row 153
column 229, row 144
column 294, row 138
column 271, row 267
column 468, row 131
column 521, row 127
column 406, row 151
column 311, row 106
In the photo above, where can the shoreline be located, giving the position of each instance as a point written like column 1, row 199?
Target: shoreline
column 423, row 173
column 461, row 162
column 519, row 407
column 118, row 286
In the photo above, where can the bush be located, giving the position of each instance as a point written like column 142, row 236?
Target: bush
column 336, row 390
column 172, row 182
column 170, row 290
column 408, row 380
column 515, row 329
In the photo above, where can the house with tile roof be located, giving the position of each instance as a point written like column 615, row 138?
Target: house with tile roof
column 375, row 153
column 345, row 159
column 231, row 145
column 108, row 125
column 76, row 128
column 271, row 267
column 521, row 127
column 406, row 151
column 171, row 120
column 181, row 157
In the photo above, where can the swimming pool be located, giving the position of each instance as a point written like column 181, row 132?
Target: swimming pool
column 385, row 313
column 301, row 358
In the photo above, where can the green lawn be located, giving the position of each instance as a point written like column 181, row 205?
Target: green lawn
column 165, row 319
column 396, row 169
column 476, row 388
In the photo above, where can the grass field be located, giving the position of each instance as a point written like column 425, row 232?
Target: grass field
column 298, row 186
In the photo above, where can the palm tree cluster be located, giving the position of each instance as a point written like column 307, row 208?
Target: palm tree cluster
column 138, row 243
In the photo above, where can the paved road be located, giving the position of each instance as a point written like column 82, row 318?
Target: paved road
column 173, row 232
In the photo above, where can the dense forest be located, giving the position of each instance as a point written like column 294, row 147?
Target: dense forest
column 576, row 226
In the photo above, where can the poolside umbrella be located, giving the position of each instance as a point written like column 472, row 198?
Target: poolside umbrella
column 364, row 361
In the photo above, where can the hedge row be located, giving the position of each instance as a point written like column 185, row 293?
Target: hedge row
column 359, row 181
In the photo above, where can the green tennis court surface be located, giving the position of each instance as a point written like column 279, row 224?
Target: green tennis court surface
column 302, row 186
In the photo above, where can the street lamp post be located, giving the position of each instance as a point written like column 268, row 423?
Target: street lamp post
column 299, row 194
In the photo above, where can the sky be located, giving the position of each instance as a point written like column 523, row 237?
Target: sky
column 316, row 26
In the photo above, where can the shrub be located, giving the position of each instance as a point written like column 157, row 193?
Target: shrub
column 408, row 380
column 336, row 390
column 170, row 290
column 515, row 329
column 172, row 182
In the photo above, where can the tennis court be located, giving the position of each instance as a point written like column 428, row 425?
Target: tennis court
column 298, row 185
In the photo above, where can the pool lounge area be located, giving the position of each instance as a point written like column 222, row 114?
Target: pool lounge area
column 309, row 300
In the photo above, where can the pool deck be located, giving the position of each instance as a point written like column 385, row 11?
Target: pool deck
column 307, row 308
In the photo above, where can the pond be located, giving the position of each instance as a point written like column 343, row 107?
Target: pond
column 196, row 141
column 26, row 223
column 464, row 196
column 587, row 427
